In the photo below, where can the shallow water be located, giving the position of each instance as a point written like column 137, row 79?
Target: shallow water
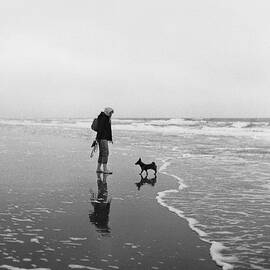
column 224, row 192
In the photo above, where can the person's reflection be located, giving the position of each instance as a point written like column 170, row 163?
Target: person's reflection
column 145, row 180
column 101, row 204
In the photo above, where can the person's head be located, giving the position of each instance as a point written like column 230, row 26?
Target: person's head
column 108, row 111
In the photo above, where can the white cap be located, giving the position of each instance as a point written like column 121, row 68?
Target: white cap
column 108, row 110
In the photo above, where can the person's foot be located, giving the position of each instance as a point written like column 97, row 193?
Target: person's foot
column 107, row 172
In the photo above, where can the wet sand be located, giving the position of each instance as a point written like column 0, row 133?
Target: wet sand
column 55, row 211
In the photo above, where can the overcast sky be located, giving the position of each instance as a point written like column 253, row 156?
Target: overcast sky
column 145, row 58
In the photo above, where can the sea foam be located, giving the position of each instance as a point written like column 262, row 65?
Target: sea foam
column 216, row 247
column 9, row 267
column 78, row 266
column 255, row 128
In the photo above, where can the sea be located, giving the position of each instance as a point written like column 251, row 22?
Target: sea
column 222, row 171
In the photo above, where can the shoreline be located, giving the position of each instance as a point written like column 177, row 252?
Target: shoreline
column 215, row 247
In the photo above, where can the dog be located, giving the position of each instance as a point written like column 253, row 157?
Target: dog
column 146, row 167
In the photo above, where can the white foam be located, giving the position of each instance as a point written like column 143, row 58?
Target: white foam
column 118, row 198
column 165, row 164
column 8, row 234
column 49, row 249
column 9, row 267
column 71, row 244
column 257, row 130
column 256, row 133
column 13, row 240
column 34, row 240
column 67, row 202
column 77, row 238
column 42, row 210
column 191, row 221
column 23, row 219
column 174, row 122
column 26, row 260
column 257, row 267
column 216, row 247
column 128, row 244
column 240, row 124
column 78, row 266
column 221, row 260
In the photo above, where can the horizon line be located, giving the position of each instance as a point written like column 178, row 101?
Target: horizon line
column 127, row 118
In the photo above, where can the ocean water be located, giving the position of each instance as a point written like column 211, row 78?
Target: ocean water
column 222, row 167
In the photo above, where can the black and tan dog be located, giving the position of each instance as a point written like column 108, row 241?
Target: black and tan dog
column 146, row 167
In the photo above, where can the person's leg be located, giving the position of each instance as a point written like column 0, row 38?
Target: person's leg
column 99, row 157
column 99, row 167
column 105, row 155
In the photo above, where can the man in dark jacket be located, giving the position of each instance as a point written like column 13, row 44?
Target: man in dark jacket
column 104, row 135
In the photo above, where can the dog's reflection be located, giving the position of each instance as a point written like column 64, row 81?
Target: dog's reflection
column 145, row 180
column 99, row 216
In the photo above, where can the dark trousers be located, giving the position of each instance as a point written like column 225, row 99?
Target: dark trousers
column 103, row 151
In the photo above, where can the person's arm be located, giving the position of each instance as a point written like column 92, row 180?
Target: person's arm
column 109, row 130
column 100, row 129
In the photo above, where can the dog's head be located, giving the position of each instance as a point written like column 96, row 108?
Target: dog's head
column 138, row 162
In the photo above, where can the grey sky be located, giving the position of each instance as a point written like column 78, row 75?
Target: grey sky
column 145, row 58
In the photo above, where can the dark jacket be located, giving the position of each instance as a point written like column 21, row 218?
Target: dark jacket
column 104, row 127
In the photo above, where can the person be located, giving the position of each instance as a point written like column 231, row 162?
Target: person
column 104, row 136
